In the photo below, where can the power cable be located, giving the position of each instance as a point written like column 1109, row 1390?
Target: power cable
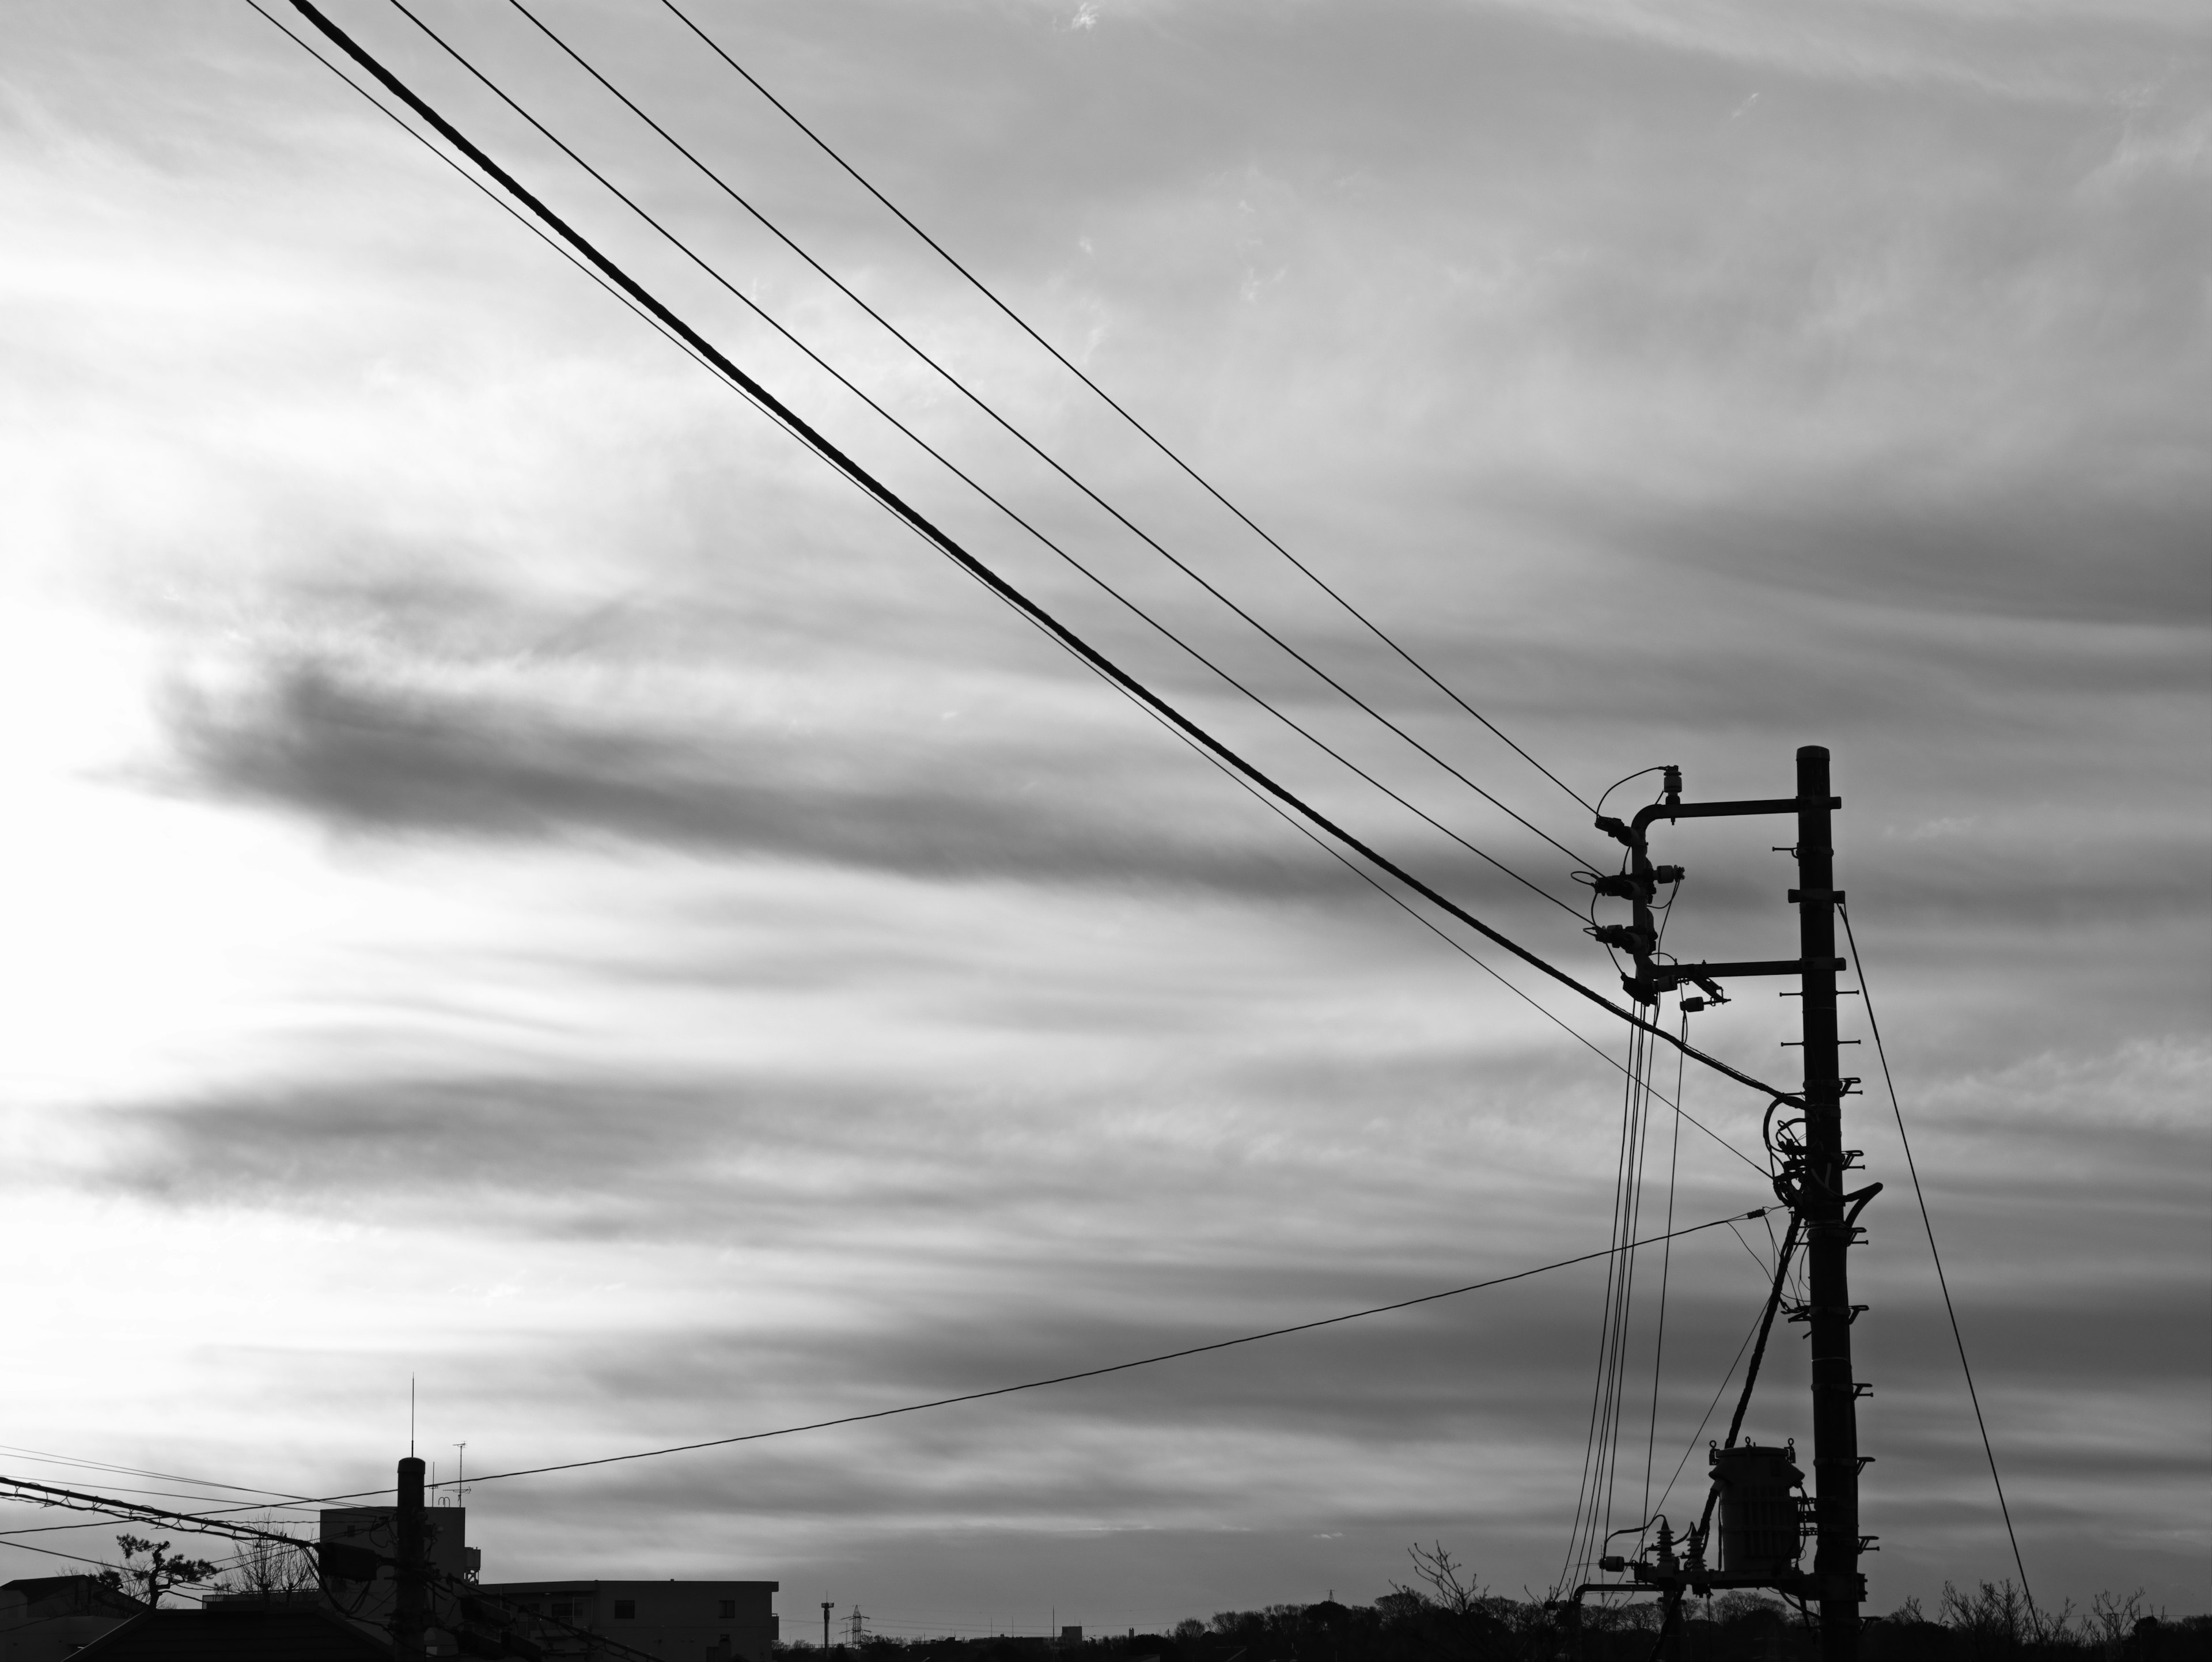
column 951, row 467
column 478, row 185
column 173, row 1494
column 808, row 436
column 1156, row 443
column 141, row 1471
column 703, row 363
column 1601, row 1448
column 1018, row 436
column 1586, row 1486
column 1682, row 1047
column 1608, row 1251
column 1958, row 1338
column 1459, row 947
column 1666, row 1265
column 1692, row 1448
column 1619, row 1393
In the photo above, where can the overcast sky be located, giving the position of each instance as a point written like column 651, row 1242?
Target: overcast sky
column 518, row 877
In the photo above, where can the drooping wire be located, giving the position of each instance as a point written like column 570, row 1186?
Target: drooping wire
column 966, row 478
column 1590, row 1439
column 939, row 541
column 1666, row 1264
column 1392, row 898
column 1016, row 433
column 1601, row 1458
column 1612, row 1250
column 1950, row 1311
column 1157, row 443
column 485, row 190
column 1707, row 1419
column 1618, row 1391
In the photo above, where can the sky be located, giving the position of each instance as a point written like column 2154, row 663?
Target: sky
column 520, row 879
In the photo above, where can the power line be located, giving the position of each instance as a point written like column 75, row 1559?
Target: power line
column 1459, row 947
column 1666, row 1265
column 1021, row 437
column 478, row 185
column 946, row 544
column 968, row 479
column 1607, row 1251
column 1958, row 1338
column 1157, row 443
column 1707, row 1419
column 1114, row 1367
column 80, row 1558
column 275, row 1504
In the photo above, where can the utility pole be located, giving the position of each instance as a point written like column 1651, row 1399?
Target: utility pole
column 410, row 1608
column 1828, row 1235
column 1815, row 1168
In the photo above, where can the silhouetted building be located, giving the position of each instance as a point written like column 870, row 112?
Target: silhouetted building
column 680, row 1621
column 375, row 1530
column 48, row 1617
column 242, row 1631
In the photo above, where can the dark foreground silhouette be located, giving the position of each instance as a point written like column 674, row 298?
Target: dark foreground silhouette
column 1451, row 1619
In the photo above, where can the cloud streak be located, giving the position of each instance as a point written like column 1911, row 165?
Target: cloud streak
column 520, row 878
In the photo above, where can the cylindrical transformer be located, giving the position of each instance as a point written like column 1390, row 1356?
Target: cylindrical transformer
column 1760, row 1529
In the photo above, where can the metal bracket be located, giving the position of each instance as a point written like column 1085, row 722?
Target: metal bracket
column 1805, row 1313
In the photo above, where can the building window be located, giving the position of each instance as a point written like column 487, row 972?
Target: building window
column 564, row 1610
column 729, row 1610
column 625, row 1610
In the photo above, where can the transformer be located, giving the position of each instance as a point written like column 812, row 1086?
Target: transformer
column 1759, row 1527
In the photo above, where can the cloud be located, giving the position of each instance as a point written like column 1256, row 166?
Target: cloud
column 384, row 760
column 593, row 919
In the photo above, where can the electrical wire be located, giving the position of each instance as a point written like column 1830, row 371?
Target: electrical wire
column 80, row 1558
column 814, row 439
column 1457, row 945
column 1750, row 1334
column 1950, row 1311
column 141, row 1471
column 1017, row 433
column 1394, row 899
column 966, row 478
column 1666, row 1264
column 1620, row 1388
column 1602, row 1449
column 1592, row 1439
column 921, row 527
column 478, row 185
column 1156, row 443
column 1609, row 1251
column 888, row 499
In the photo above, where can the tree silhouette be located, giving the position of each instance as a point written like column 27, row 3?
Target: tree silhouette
column 148, row 1582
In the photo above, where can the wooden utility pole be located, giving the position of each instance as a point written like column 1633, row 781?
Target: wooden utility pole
column 410, row 1612
column 1828, row 1236
column 1813, row 1182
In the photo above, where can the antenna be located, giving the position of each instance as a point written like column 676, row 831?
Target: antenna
column 461, row 1474
column 411, row 1417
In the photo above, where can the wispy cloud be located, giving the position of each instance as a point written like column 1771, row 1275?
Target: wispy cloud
column 520, row 876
